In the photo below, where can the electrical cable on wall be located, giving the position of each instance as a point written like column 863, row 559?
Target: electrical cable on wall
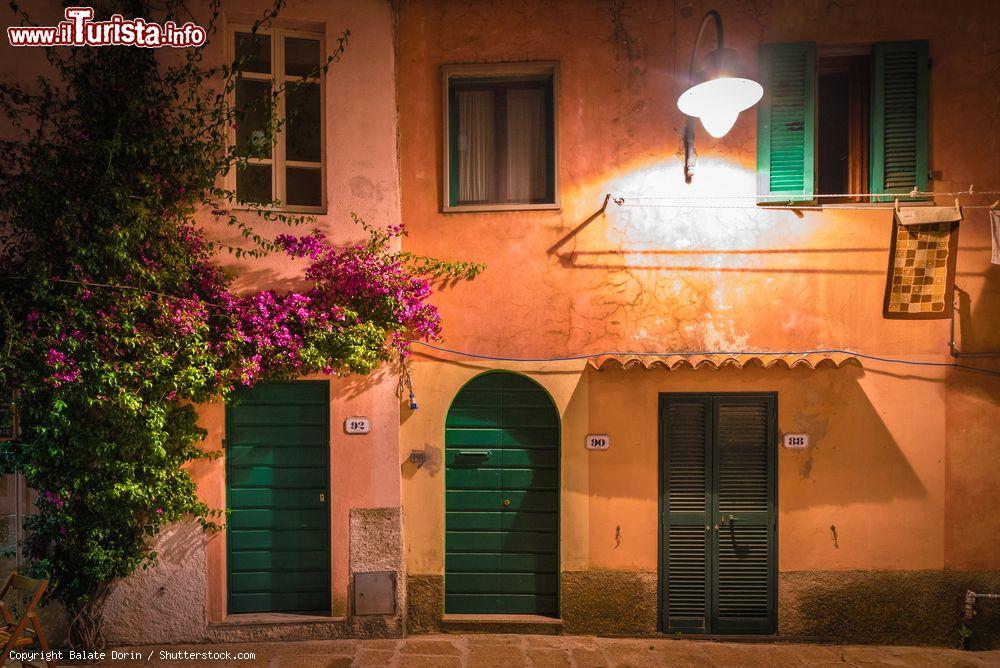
column 781, row 202
column 775, row 207
column 821, row 351
column 615, row 353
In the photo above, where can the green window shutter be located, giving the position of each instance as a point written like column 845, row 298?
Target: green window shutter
column 899, row 123
column 786, row 123
column 688, row 429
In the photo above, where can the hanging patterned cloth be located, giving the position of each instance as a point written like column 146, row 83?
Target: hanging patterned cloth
column 922, row 262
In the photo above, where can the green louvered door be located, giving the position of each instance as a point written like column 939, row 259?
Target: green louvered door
column 277, row 484
column 743, row 483
column 718, row 564
column 502, row 498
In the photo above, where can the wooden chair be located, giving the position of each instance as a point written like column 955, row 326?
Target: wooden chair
column 15, row 633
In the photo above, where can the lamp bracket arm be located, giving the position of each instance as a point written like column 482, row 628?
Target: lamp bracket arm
column 720, row 38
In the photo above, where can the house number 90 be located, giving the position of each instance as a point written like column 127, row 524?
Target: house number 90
column 598, row 441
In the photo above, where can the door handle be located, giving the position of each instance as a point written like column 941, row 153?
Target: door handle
column 322, row 497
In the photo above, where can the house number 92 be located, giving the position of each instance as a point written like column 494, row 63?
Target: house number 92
column 357, row 425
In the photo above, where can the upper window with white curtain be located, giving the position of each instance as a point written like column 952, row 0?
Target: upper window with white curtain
column 500, row 143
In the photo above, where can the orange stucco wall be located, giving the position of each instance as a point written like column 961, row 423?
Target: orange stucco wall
column 899, row 452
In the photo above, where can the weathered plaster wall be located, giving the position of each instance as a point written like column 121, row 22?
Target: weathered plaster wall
column 888, row 607
column 166, row 603
column 650, row 275
column 658, row 277
column 602, row 601
column 897, row 461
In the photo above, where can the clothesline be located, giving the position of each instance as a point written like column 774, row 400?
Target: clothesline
column 774, row 207
column 971, row 192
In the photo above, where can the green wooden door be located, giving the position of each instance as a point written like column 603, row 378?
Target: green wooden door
column 277, row 487
column 502, row 498
column 718, row 557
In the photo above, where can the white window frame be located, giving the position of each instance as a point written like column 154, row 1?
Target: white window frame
column 498, row 70
column 277, row 76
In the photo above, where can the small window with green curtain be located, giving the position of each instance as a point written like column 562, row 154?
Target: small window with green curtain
column 500, row 138
column 836, row 121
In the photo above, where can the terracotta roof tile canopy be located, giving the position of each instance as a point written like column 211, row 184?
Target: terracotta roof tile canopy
column 718, row 361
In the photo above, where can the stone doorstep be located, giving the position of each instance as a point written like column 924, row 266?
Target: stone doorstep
column 523, row 624
column 291, row 628
column 276, row 627
column 272, row 618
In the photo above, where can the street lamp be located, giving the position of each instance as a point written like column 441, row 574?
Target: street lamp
column 716, row 93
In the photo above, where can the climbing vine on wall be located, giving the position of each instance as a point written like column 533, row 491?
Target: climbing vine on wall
column 116, row 320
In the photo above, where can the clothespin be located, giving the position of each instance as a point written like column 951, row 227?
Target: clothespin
column 995, row 205
column 914, row 193
column 897, row 205
column 971, row 191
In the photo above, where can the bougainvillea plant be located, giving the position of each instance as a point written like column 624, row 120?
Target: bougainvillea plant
column 116, row 319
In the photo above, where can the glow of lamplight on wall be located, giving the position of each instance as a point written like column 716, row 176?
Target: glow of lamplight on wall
column 646, row 225
column 683, row 254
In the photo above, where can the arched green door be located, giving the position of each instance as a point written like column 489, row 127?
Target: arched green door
column 502, row 498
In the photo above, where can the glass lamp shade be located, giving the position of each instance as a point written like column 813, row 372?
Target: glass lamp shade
column 721, row 95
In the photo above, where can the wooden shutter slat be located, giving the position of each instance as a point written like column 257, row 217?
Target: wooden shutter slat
column 688, row 430
column 899, row 122
column 786, row 118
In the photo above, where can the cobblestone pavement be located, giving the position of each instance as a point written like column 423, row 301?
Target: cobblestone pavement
column 500, row 651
